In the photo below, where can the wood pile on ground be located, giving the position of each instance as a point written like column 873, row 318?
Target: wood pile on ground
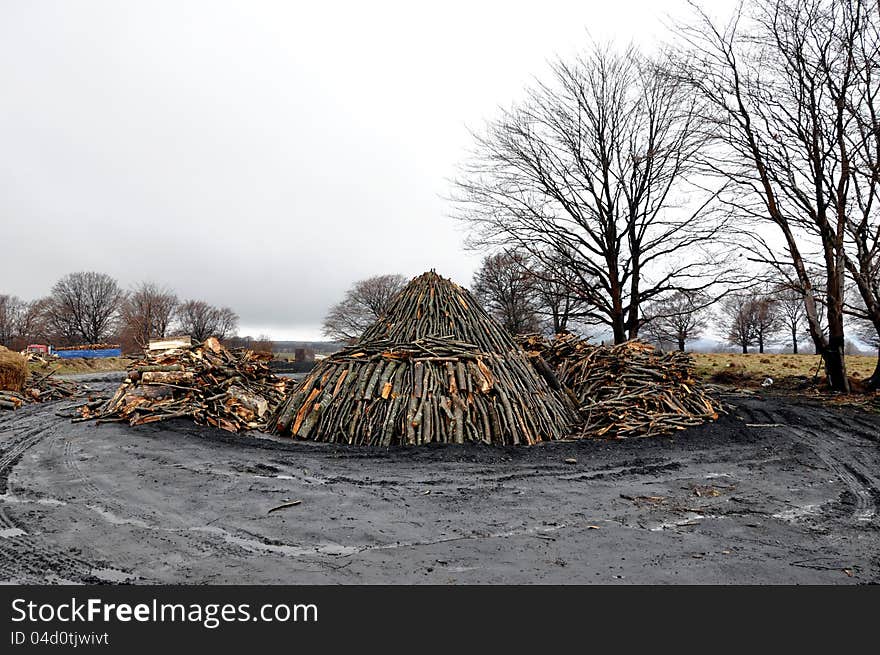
column 229, row 389
column 39, row 388
column 435, row 369
column 626, row 390
column 89, row 346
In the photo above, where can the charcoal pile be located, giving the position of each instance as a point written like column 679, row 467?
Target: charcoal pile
column 436, row 369
column 627, row 390
column 230, row 389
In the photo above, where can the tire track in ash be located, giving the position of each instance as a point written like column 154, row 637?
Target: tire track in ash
column 23, row 557
column 862, row 463
column 840, row 451
column 99, row 500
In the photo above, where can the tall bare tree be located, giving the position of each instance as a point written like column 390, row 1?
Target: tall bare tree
column 363, row 303
column 506, row 287
column 201, row 320
column 782, row 81
column 147, row 312
column 85, row 305
column 858, row 149
column 589, row 173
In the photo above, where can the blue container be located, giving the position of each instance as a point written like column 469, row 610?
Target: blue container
column 89, row 354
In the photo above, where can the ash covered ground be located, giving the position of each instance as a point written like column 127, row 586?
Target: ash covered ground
column 778, row 491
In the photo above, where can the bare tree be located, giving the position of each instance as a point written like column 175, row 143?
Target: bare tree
column 858, row 150
column 507, row 289
column 147, row 312
column 227, row 323
column 11, row 310
column 32, row 326
column 589, row 174
column 85, row 305
column 738, row 320
column 363, row 303
column 790, row 305
column 765, row 312
column 680, row 318
column 750, row 319
column 778, row 80
column 557, row 301
column 201, row 320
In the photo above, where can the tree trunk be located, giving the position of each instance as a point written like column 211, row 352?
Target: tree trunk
column 873, row 382
column 681, row 344
column 794, row 339
column 835, row 364
column 745, row 349
column 618, row 326
column 761, row 344
column 634, row 298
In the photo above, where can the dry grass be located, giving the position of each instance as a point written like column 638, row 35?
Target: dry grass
column 13, row 370
column 79, row 365
column 754, row 367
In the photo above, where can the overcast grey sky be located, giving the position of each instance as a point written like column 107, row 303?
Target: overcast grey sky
column 261, row 155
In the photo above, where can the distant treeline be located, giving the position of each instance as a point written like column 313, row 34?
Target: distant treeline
column 90, row 307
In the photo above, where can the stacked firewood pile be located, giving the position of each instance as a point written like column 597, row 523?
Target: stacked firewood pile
column 555, row 351
column 627, row 390
column 39, row 388
column 232, row 390
column 436, row 368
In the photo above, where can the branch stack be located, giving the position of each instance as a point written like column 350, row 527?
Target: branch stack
column 435, row 369
column 627, row 390
column 39, row 388
column 229, row 389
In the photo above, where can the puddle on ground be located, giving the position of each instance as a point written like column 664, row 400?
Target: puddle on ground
column 11, row 499
column 336, row 550
column 110, row 517
column 690, row 520
column 798, row 512
column 8, row 533
column 111, row 575
column 254, row 545
column 54, row 578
